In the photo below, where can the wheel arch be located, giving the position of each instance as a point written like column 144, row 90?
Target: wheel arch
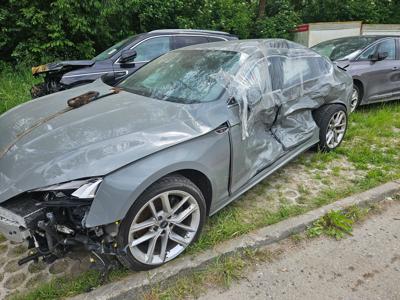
column 97, row 214
column 329, row 104
column 201, row 181
column 357, row 82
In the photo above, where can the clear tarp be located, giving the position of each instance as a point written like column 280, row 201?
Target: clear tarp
column 278, row 86
column 280, row 83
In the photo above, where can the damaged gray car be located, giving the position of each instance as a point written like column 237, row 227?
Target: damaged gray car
column 134, row 170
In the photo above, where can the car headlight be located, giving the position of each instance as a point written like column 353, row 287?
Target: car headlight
column 83, row 189
column 87, row 190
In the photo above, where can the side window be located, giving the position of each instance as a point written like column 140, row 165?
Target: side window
column 257, row 74
column 295, row 71
column 152, row 48
column 185, row 40
column 289, row 72
column 212, row 39
column 388, row 46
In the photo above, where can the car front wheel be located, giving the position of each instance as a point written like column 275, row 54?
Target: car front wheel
column 163, row 222
column 332, row 122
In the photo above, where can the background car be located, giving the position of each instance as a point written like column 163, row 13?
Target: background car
column 134, row 170
column 372, row 61
column 120, row 60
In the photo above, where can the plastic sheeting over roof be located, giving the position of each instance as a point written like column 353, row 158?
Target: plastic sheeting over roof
column 280, row 83
column 277, row 87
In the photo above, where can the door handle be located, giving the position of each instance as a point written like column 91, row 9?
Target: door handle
column 395, row 68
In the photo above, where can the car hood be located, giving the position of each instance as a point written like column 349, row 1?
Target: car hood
column 62, row 65
column 92, row 140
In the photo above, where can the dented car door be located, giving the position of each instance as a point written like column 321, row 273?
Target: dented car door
column 255, row 148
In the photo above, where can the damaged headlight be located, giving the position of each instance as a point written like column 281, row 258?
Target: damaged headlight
column 82, row 189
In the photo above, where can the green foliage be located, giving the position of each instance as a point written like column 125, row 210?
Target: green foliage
column 42, row 30
column 280, row 20
column 337, row 223
column 63, row 287
column 37, row 31
column 369, row 11
column 334, row 224
column 15, row 84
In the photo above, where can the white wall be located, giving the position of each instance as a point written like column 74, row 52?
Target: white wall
column 380, row 29
column 319, row 32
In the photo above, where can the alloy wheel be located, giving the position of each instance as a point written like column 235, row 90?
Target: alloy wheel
column 164, row 227
column 354, row 100
column 336, row 129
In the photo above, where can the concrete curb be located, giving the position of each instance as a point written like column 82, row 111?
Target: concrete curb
column 131, row 286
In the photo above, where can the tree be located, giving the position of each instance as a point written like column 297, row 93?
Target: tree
column 261, row 9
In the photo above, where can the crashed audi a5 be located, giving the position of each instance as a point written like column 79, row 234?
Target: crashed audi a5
column 133, row 170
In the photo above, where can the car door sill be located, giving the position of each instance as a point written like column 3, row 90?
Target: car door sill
column 384, row 97
column 266, row 172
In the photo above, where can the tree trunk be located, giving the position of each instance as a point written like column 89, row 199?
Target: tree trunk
column 261, row 9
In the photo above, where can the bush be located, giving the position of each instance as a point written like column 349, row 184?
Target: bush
column 280, row 20
column 38, row 31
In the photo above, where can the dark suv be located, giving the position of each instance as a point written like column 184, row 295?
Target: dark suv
column 120, row 60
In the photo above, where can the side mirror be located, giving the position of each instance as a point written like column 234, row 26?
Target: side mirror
column 254, row 96
column 108, row 79
column 127, row 56
column 378, row 56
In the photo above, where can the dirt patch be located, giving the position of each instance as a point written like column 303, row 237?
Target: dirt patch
column 298, row 183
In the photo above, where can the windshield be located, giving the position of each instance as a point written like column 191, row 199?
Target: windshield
column 183, row 76
column 106, row 54
column 344, row 48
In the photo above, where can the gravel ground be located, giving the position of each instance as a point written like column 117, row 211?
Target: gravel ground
column 363, row 266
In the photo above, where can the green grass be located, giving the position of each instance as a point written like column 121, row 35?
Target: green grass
column 14, row 86
column 225, row 270
column 220, row 273
column 372, row 144
column 338, row 223
column 68, row 286
column 2, row 238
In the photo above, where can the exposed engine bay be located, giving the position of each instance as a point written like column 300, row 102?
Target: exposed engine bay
column 52, row 222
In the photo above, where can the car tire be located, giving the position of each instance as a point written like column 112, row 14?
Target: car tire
column 332, row 121
column 169, row 230
column 355, row 98
column 39, row 90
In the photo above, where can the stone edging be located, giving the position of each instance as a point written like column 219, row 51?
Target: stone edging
column 131, row 286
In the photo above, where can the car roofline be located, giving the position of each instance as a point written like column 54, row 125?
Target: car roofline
column 197, row 31
column 374, row 36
